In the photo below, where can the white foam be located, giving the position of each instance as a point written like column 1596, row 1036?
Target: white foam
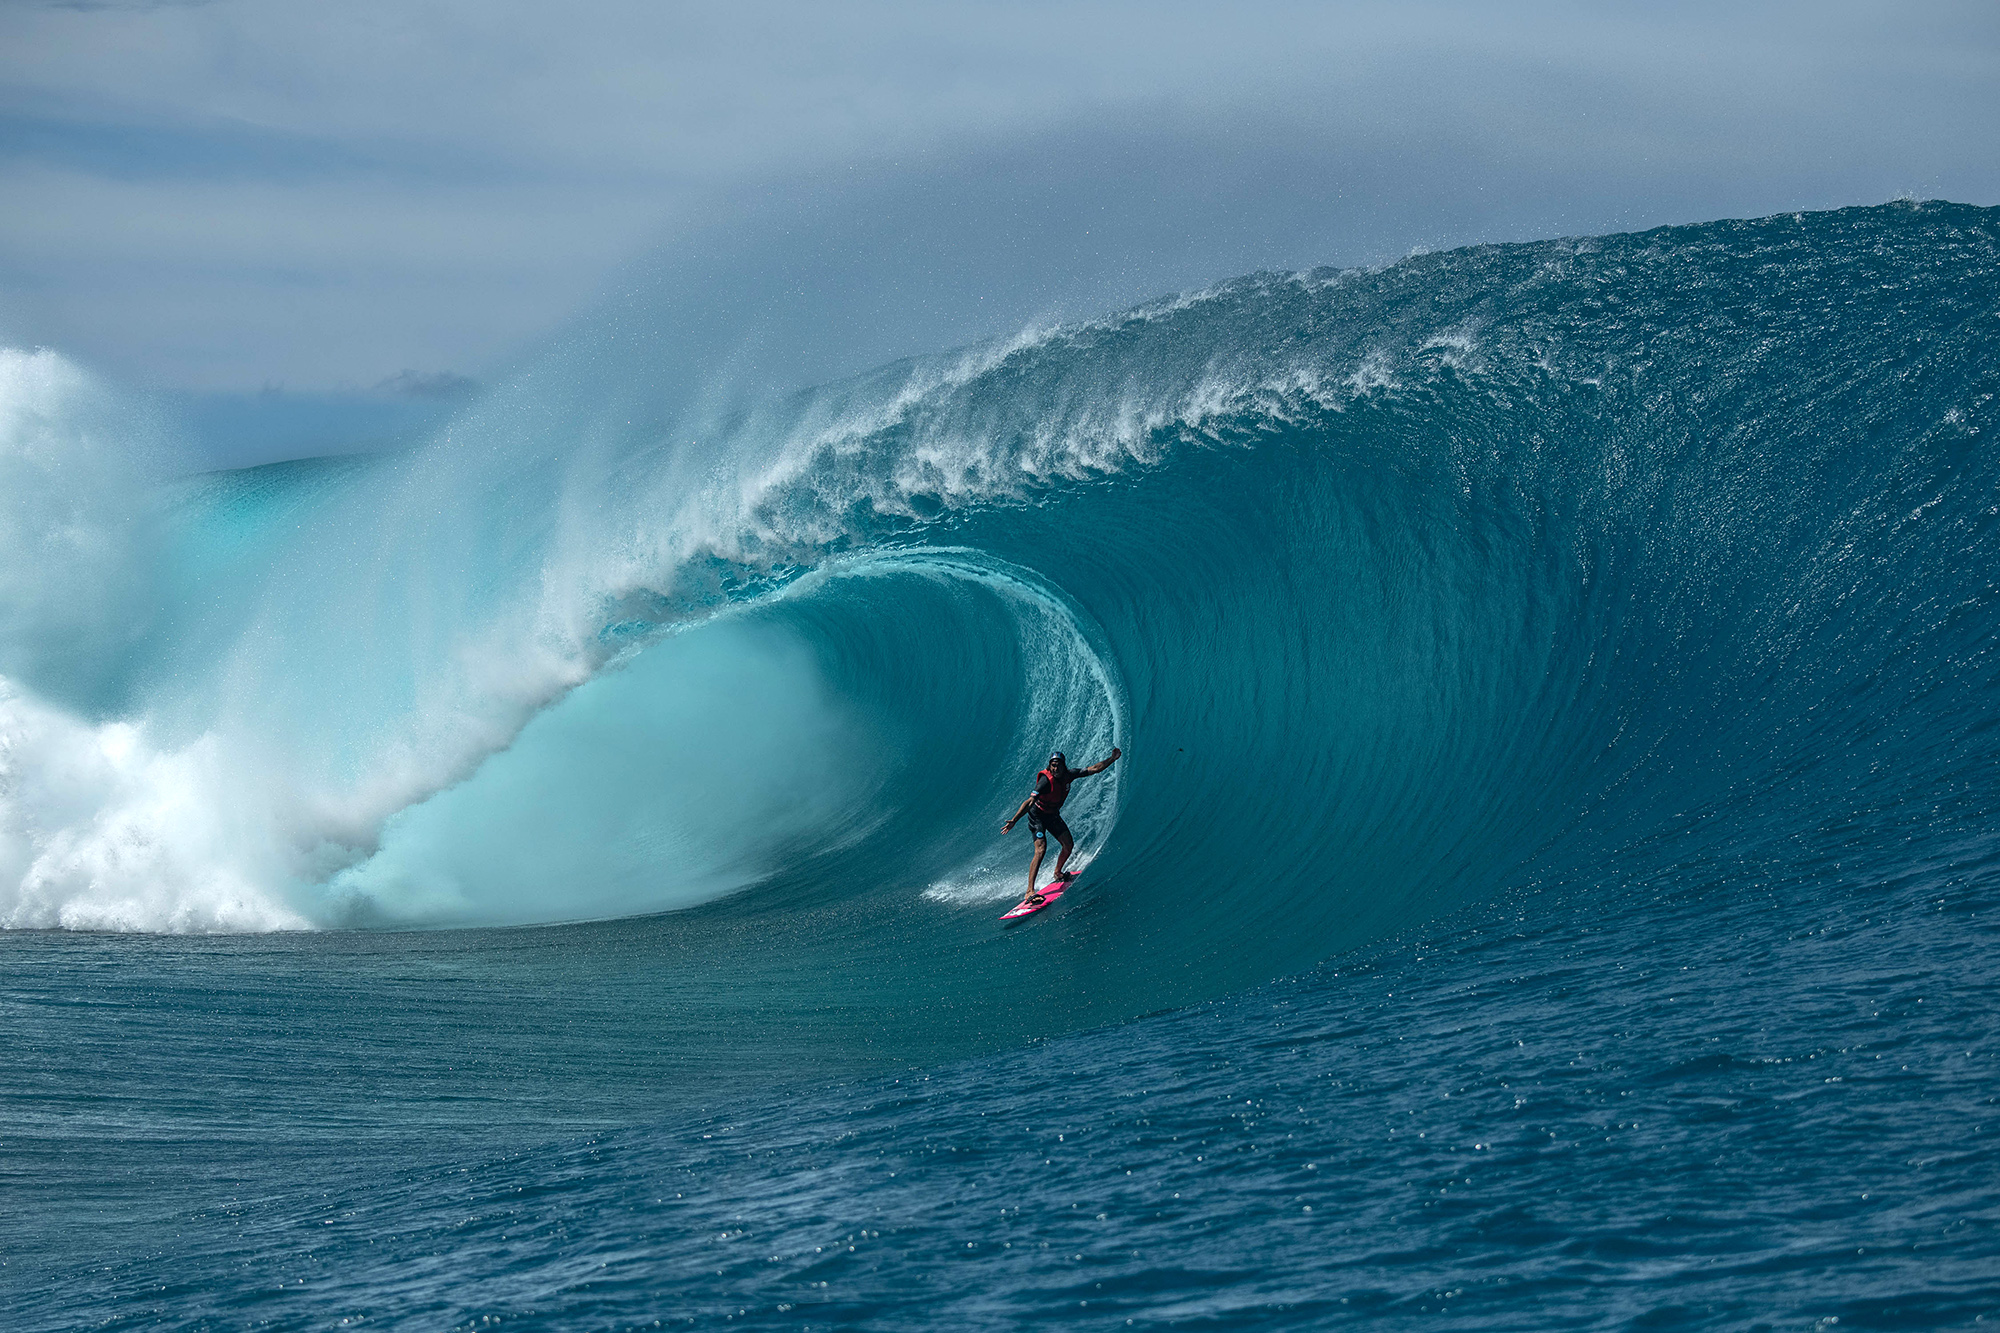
column 986, row 884
column 101, row 830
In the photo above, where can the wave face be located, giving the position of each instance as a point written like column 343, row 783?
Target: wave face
column 1504, row 567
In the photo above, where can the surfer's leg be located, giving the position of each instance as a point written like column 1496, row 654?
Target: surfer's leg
column 1035, row 866
column 1061, row 830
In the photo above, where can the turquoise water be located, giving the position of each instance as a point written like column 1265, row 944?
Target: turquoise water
column 550, row 877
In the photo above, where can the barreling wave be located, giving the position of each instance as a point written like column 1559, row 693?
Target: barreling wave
column 1500, row 567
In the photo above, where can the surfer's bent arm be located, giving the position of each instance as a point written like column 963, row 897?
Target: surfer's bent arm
column 1100, row 765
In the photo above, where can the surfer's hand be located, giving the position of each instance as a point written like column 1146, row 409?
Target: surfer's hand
column 1115, row 752
column 1007, row 827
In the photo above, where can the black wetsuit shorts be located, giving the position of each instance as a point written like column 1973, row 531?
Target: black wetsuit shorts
column 1038, row 823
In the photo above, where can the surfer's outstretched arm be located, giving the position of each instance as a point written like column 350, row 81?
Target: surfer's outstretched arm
column 1008, row 827
column 1100, row 765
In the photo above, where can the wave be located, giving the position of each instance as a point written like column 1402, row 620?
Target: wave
column 1507, row 566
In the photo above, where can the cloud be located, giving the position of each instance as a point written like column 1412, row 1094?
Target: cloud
column 229, row 193
column 427, row 384
column 94, row 6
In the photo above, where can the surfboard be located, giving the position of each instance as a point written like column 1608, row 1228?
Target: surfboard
column 1049, row 895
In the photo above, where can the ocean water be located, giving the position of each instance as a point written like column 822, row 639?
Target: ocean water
column 549, row 878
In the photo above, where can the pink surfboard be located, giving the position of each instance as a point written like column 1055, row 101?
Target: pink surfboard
column 1049, row 895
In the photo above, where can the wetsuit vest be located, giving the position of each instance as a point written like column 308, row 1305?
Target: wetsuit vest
column 1051, row 801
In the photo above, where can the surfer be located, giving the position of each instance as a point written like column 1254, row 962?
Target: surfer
column 1043, row 809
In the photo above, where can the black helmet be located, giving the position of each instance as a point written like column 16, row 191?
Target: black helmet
column 1057, row 758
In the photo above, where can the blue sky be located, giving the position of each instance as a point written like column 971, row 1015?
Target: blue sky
column 228, row 197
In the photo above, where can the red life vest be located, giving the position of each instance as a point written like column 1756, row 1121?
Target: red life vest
column 1051, row 801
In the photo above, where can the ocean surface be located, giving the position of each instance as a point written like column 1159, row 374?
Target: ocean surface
column 548, row 878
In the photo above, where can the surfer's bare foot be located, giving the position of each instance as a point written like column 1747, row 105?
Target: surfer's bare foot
column 1033, row 900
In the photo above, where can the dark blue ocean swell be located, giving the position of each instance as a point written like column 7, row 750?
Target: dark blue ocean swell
column 1739, row 1091
column 1595, row 545
column 1517, row 551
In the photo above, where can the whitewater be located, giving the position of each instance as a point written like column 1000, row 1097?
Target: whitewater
column 548, row 876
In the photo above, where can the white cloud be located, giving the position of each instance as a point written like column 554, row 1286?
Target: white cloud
column 236, row 192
